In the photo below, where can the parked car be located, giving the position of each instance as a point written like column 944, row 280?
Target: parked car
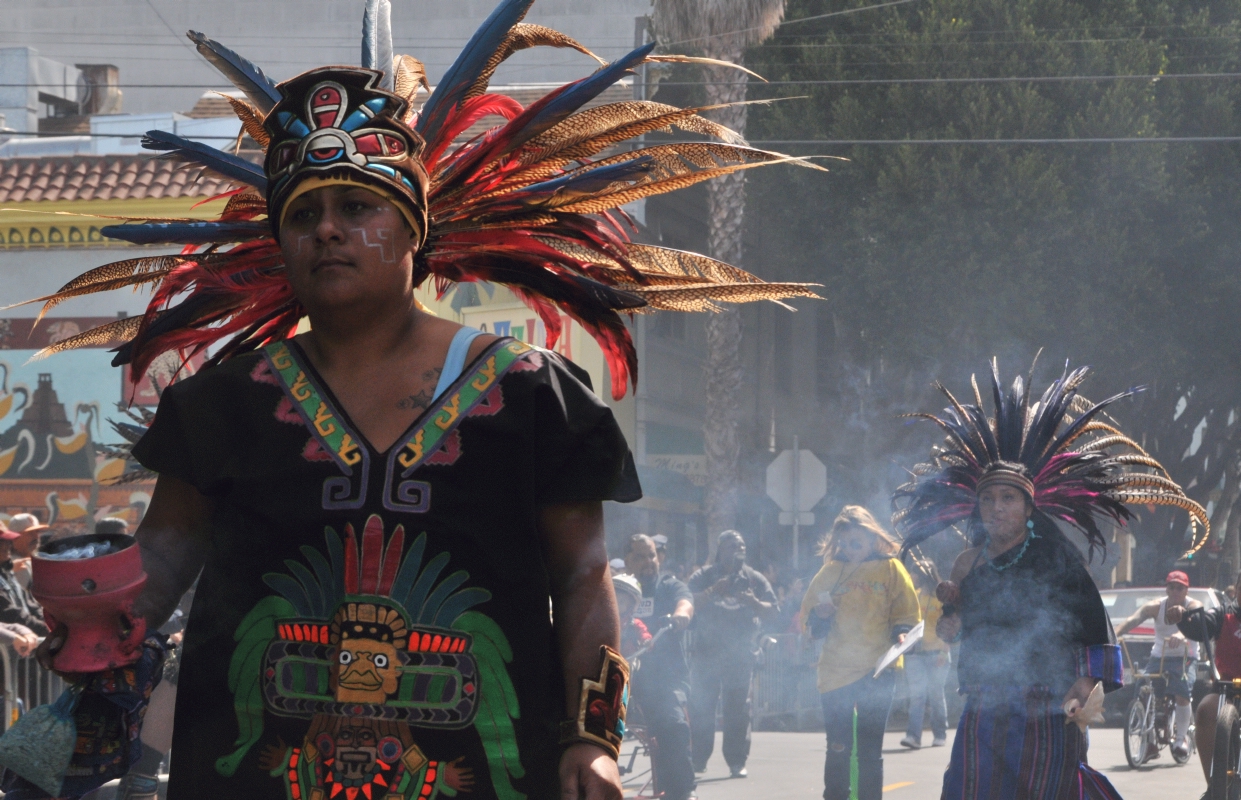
column 1122, row 604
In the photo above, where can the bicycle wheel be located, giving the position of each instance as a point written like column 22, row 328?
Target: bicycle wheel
column 1225, row 783
column 1136, row 735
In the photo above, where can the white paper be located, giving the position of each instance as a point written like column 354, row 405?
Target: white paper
column 912, row 638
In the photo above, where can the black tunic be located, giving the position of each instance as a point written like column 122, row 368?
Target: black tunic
column 1032, row 624
column 373, row 624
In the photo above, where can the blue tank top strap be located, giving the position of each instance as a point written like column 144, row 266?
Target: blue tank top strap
column 454, row 363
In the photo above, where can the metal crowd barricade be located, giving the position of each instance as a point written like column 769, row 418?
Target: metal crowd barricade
column 785, row 696
column 26, row 685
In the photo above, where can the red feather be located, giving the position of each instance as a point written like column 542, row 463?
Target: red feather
column 372, row 553
column 351, row 560
column 392, row 560
column 461, row 118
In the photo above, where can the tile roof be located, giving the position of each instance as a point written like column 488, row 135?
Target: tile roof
column 90, row 177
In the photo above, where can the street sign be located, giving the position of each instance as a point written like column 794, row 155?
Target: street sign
column 796, row 481
column 796, row 484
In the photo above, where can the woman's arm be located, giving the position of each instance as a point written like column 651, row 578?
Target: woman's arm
column 174, row 538
column 905, row 611
column 585, row 618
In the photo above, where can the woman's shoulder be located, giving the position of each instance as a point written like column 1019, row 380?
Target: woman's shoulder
column 225, row 379
column 965, row 563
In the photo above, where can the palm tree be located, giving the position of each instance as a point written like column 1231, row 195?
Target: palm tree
column 721, row 29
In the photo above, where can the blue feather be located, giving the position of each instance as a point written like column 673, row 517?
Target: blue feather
column 592, row 180
column 336, row 554
column 573, row 97
column 260, row 89
column 187, row 232
column 228, row 165
column 581, row 93
column 377, row 40
column 291, row 590
column 470, row 64
column 409, row 568
column 313, row 592
column 413, row 600
column 458, row 604
column 431, row 607
column 323, row 573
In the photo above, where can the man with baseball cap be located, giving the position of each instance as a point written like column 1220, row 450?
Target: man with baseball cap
column 1173, row 654
column 28, row 530
column 16, row 604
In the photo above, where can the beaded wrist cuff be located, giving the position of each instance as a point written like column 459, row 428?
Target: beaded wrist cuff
column 601, row 709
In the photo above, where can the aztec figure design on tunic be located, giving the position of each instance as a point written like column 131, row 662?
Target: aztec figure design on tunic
column 371, row 647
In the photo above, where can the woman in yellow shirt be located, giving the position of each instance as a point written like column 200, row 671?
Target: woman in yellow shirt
column 860, row 603
column 926, row 666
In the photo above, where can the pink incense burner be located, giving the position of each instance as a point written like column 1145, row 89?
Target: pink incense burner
column 93, row 596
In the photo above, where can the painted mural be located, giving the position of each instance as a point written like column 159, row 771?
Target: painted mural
column 54, row 414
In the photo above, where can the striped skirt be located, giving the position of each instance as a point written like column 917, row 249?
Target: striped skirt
column 1014, row 744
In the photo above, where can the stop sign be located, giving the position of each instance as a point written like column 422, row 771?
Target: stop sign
column 796, row 480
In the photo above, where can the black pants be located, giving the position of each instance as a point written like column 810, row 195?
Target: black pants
column 664, row 714
column 727, row 674
column 873, row 699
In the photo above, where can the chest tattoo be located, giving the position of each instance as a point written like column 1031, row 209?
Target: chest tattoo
column 421, row 400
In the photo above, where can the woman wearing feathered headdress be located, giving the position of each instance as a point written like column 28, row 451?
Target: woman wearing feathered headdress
column 1037, row 648
column 381, row 506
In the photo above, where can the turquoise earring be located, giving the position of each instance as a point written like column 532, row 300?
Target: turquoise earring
column 1030, row 524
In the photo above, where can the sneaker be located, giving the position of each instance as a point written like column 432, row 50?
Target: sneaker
column 739, row 772
column 911, row 743
column 1179, row 750
column 939, row 741
column 700, row 768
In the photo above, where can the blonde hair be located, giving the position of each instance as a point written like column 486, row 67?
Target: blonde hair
column 856, row 518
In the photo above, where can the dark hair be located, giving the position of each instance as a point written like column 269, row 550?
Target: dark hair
column 924, row 571
column 112, row 525
column 640, row 537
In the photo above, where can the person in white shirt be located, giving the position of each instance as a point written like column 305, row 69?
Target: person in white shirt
column 1172, row 655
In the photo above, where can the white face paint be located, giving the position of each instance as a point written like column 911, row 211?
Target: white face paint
column 302, row 244
column 385, row 242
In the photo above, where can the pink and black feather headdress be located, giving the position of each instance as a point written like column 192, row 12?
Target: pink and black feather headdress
column 533, row 203
column 1080, row 466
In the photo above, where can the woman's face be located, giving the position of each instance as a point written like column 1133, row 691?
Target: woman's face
column 854, row 544
column 1004, row 511
column 344, row 245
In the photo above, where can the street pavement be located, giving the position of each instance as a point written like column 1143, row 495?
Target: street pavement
column 789, row 766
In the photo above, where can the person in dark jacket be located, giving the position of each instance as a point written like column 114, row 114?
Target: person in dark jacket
column 661, row 686
column 1221, row 625
column 733, row 599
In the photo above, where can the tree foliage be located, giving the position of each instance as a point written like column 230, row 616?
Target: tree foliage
column 935, row 258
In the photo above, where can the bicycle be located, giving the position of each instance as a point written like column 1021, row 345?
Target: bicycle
column 644, row 744
column 1224, row 782
column 1148, row 723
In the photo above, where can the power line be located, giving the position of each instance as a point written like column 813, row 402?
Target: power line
column 802, row 142
column 1083, row 140
column 834, row 82
column 1026, row 79
column 792, row 21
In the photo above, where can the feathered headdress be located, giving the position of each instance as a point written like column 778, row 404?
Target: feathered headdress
column 1073, row 463
column 524, row 204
